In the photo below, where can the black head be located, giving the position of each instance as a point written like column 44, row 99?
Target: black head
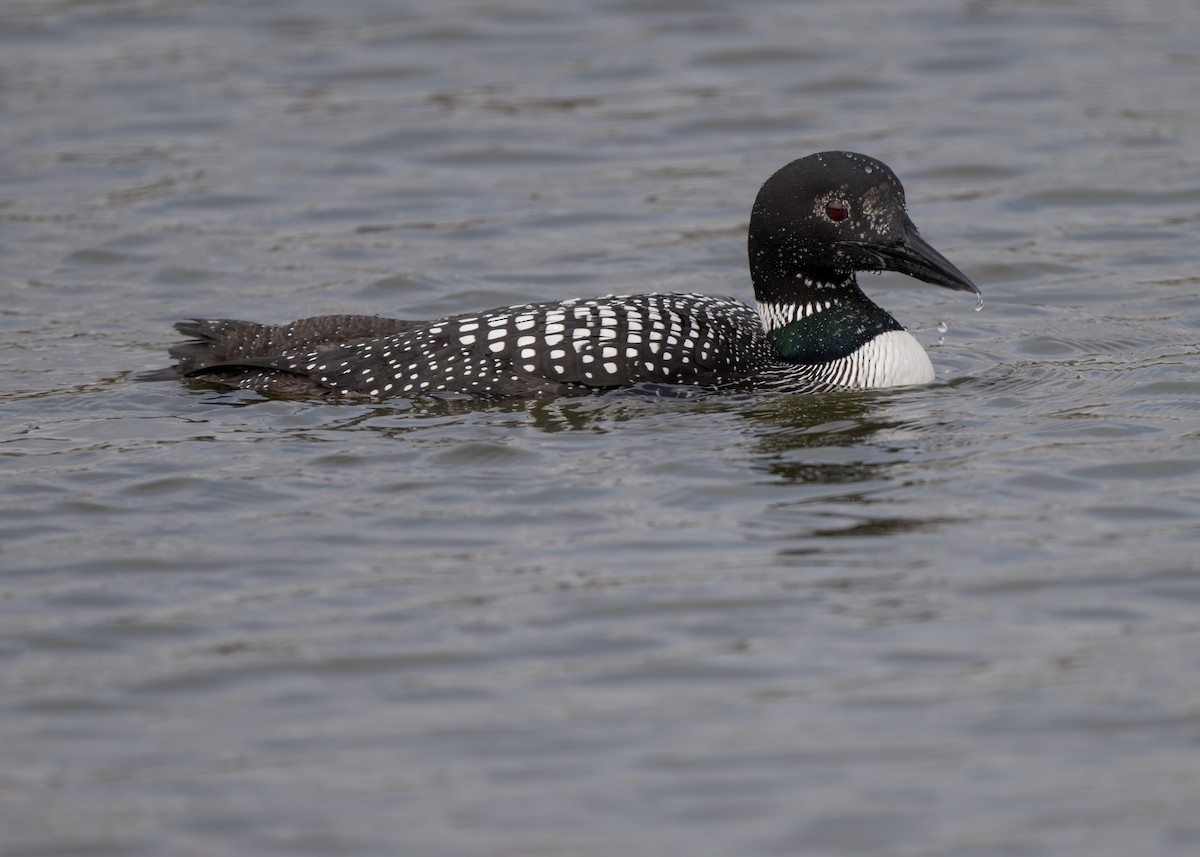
column 822, row 218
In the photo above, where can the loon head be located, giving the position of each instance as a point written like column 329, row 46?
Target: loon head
column 824, row 217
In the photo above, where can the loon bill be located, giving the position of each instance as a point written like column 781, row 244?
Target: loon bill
column 815, row 223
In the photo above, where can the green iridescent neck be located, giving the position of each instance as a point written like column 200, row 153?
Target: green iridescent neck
column 826, row 330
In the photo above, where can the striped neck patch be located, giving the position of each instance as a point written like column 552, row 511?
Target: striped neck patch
column 775, row 316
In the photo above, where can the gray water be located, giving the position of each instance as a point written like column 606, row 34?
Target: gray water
column 959, row 620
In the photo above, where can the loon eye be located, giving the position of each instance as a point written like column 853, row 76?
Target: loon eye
column 837, row 210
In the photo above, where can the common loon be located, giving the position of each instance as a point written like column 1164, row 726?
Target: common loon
column 815, row 223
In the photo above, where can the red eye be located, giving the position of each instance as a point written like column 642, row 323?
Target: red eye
column 837, row 210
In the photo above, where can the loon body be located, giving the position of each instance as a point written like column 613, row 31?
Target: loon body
column 815, row 223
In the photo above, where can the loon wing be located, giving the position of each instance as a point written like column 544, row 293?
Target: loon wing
column 556, row 348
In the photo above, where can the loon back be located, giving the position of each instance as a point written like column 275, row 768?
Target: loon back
column 815, row 223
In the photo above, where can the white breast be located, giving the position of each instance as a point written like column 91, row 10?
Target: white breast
column 891, row 359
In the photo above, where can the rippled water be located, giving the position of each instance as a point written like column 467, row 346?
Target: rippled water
column 955, row 620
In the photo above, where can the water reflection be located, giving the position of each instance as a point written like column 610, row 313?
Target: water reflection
column 786, row 422
column 828, row 439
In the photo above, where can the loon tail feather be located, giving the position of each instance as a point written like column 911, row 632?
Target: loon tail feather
column 221, row 350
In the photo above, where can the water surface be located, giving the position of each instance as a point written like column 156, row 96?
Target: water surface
column 957, row 620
